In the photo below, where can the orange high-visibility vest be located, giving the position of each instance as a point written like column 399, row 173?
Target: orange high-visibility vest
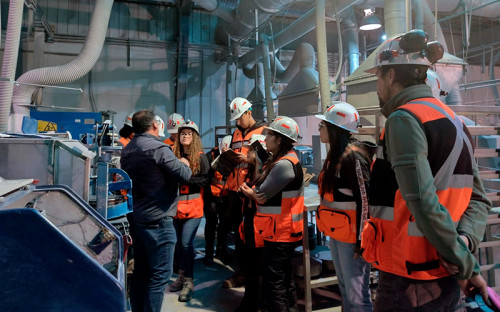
column 391, row 239
column 337, row 214
column 123, row 141
column 169, row 142
column 190, row 202
column 237, row 177
column 280, row 219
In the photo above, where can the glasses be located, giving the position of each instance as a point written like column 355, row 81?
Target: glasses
column 320, row 125
column 187, row 134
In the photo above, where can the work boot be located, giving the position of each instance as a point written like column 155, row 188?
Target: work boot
column 237, row 280
column 187, row 290
column 177, row 285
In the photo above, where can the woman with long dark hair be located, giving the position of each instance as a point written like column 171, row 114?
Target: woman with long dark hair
column 279, row 199
column 343, row 184
column 189, row 207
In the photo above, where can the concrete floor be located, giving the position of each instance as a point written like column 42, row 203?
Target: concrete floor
column 210, row 296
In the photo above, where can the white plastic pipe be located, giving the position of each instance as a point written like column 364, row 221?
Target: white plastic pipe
column 324, row 82
column 71, row 71
column 10, row 55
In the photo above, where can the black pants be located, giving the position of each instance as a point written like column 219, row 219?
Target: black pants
column 230, row 220
column 278, row 280
column 211, row 221
column 254, row 264
column 396, row 293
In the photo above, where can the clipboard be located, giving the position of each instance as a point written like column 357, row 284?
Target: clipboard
column 225, row 162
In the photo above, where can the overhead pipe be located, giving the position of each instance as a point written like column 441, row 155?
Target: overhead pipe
column 11, row 52
column 296, row 29
column 350, row 34
column 394, row 17
column 267, row 76
column 62, row 74
column 218, row 9
column 324, row 81
column 304, row 57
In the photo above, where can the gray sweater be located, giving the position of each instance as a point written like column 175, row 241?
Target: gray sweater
column 155, row 174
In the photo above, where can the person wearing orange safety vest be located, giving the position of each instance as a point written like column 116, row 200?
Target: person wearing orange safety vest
column 241, row 113
column 189, row 206
column 127, row 131
column 253, row 241
column 215, row 199
column 174, row 122
column 279, row 195
column 428, row 208
column 343, row 185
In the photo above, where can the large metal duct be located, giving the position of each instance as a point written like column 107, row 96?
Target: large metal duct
column 65, row 73
column 11, row 52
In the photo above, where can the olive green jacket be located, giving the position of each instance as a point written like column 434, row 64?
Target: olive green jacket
column 405, row 140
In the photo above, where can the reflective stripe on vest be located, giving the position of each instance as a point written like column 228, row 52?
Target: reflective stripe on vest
column 189, row 196
column 339, row 205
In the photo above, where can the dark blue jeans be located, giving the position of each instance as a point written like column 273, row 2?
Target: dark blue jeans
column 184, row 249
column 153, row 256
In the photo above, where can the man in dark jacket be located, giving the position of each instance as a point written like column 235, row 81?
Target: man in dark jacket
column 155, row 172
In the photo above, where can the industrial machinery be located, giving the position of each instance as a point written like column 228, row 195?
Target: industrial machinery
column 57, row 249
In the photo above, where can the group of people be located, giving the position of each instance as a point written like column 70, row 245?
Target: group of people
column 412, row 206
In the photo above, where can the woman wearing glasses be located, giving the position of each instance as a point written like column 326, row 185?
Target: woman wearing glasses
column 343, row 185
column 189, row 207
column 279, row 199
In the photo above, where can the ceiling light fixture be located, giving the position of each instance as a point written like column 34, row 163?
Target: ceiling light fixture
column 370, row 21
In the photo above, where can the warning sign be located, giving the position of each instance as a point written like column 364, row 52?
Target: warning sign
column 46, row 126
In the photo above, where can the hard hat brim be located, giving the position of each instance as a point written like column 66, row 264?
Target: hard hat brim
column 270, row 129
column 322, row 117
column 173, row 130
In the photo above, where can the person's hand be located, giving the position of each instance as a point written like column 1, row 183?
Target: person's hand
column 242, row 158
column 357, row 252
column 260, row 198
column 245, row 189
column 475, row 284
column 184, row 161
column 225, row 149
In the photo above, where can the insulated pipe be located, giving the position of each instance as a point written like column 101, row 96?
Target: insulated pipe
column 11, row 52
column 324, row 81
column 219, row 9
column 351, row 37
column 267, row 76
column 71, row 71
column 394, row 17
column 304, row 57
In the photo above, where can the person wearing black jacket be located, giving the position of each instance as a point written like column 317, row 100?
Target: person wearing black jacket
column 155, row 171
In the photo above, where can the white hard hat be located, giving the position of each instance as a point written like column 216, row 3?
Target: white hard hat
column 409, row 48
column 225, row 142
column 342, row 115
column 258, row 137
column 128, row 119
column 434, row 82
column 160, row 123
column 174, row 122
column 238, row 106
column 189, row 125
column 285, row 126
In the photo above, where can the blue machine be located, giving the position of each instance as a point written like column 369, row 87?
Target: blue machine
column 77, row 123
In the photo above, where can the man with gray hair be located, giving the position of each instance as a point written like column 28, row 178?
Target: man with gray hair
column 155, row 172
